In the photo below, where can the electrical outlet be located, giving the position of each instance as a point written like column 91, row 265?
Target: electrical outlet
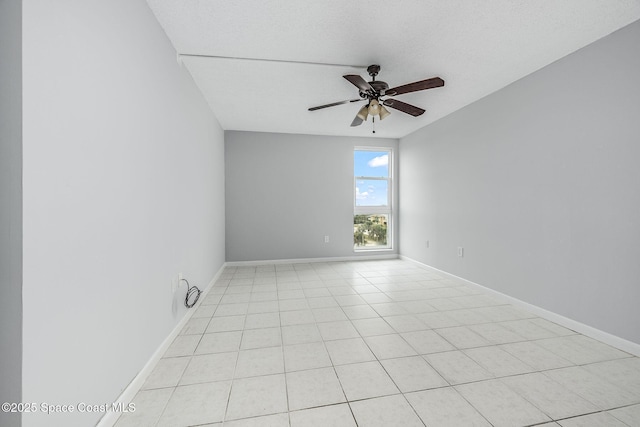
column 326, row 239
column 175, row 282
column 460, row 251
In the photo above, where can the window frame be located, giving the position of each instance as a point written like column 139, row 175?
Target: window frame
column 376, row 210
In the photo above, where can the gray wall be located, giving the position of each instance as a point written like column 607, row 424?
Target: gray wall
column 284, row 193
column 10, row 207
column 123, row 188
column 539, row 183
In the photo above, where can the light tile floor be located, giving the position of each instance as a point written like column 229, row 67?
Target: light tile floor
column 378, row 343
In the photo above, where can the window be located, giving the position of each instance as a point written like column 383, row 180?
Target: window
column 372, row 199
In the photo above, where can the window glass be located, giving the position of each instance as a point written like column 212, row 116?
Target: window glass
column 372, row 199
column 370, row 231
column 371, row 163
column 372, row 192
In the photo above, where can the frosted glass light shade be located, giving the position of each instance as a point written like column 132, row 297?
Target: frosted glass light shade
column 383, row 112
column 374, row 107
column 362, row 114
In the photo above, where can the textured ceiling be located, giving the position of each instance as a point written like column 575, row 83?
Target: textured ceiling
column 276, row 58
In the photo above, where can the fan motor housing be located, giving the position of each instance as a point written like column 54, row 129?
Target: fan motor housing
column 379, row 86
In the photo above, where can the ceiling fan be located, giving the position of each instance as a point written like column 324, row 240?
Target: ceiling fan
column 374, row 90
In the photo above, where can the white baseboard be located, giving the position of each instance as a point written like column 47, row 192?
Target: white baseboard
column 110, row 418
column 310, row 260
column 597, row 334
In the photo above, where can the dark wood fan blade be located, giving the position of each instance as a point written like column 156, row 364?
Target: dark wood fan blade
column 359, row 82
column 334, row 104
column 356, row 122
column 416, row 86
column 404, row 107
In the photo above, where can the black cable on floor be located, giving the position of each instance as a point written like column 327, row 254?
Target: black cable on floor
column 193, row 293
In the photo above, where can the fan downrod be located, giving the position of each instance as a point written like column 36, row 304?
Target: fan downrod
column 373, row 71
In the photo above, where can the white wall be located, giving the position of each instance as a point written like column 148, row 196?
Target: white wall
column 539, row 183
column 123, row 189
column 10, row 207
column 285, row 192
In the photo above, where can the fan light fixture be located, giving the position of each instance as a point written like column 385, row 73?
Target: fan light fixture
column 383, row 112
column 362, row 114
column 374, row 107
